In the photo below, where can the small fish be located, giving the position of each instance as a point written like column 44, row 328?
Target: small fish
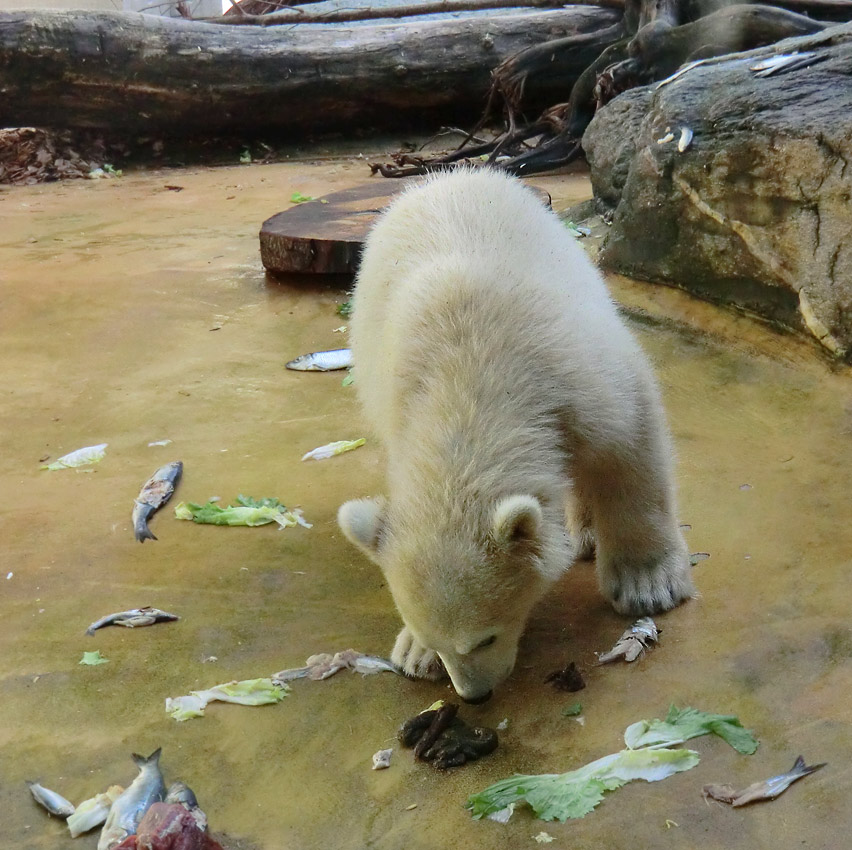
column 322, row 361
column 156, row 491
column 685, row 139
column 181, row 794
column 130, row 807
column 55, row 803
column 93, row 812
column 324, row 665
column 781, row 63
column 768, row 789
column 633, row 642
column 133, row 618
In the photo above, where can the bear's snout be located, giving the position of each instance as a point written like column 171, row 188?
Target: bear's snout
column 478, row 700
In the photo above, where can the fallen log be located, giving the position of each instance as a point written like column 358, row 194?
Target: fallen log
column 134, row 73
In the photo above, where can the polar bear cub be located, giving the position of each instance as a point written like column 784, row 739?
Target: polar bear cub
column 492, row 364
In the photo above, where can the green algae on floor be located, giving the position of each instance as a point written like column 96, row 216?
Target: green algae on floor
column 133, row 314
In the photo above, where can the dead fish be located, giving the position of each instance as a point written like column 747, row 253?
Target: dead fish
column 324, row 665
column 133, row 618
column 685, row 139
column 126, row 812
column 322, row 361
column 156, row 491
column 633, row 643
column 181, row 794
column 55, row 803
column 781, row 63
column 768, row 789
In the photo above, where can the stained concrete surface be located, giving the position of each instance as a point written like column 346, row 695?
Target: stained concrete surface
column 133, row 313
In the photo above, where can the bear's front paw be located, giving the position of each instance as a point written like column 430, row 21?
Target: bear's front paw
column 415, row 660
column 649, row 587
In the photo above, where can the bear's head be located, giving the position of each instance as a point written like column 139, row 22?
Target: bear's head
column 465, row 584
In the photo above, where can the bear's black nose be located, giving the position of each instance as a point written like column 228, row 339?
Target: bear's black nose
column 478, row 700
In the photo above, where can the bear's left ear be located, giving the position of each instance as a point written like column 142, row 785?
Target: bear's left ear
column 517, row 519
column 362, row 521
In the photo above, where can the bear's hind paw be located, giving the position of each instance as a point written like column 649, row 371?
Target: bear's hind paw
column 415, row 660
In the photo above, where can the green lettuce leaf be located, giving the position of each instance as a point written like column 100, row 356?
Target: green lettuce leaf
column 80, row 457
column 576, row 793
column 681, row 724
column 248, row 692
column 338, row 447
column 247, row 511
column 92, row 659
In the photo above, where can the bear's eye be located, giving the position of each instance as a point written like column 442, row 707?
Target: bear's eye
column 487, row 642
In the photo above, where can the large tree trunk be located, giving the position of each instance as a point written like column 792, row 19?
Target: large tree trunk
column 138, row 73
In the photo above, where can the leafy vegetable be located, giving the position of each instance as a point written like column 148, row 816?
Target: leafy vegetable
column 348, row 380
column 299, row 198
column 92, row 659
column 572, row 710
column 681, row 724
column 247, row 692
column 345, row 308
column 247, row 511
column 331, row 449
column 576, row 230
column 576, row 793
column 80, row 457
column 245, row 156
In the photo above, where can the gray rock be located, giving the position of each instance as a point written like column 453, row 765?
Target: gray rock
column 757, row 211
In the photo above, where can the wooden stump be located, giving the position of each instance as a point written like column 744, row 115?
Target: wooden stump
column 324, row 236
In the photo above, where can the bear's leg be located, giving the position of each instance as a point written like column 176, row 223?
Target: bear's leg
column 642, row 559
column 582, row 525
column 415, row 660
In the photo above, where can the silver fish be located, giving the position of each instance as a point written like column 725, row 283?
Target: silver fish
column 324, row 665
column 133, row 618
column 633, row 643
column 126, row 812
column 322, row 361
column 768, row 789
column 156, row 491
column 55, row 803
column 781, row 63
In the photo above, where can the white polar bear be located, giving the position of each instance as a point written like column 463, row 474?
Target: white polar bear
column 494, row 367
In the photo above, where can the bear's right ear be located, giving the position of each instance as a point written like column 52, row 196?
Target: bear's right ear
column 362, row 521
column 517, row 519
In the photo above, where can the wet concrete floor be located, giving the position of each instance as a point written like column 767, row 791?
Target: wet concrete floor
column 132, row 313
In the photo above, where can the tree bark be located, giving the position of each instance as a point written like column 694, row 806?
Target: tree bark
column 133, row 73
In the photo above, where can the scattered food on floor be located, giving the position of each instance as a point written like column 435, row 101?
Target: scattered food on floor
column 697, row 557
column 247, row 692
column 633, row 643
column 130, row 807
column 132, row 619
column 169, row 826
column 324, row 664
column 92, row 659
column 768, row 789
column 94, row 811
column 381, row 759
column 440, row 737
column 247, row 511
column 573, row 710
column 155, row 492
column 81, row 457
column 682, row 724
column 338, row 447
column 55, row 803
column 322, row 361
column 567, row 679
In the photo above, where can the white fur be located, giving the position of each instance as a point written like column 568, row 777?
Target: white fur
column 494, row 367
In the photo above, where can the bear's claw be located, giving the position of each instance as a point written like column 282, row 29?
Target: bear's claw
column 415, row 660
column 642, row 590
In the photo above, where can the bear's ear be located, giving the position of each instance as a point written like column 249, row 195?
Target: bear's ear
column 517, row 519
column 362, row 521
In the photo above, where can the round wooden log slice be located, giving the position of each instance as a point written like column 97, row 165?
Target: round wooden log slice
column 324, row 236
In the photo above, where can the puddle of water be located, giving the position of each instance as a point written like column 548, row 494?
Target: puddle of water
column 107, row 329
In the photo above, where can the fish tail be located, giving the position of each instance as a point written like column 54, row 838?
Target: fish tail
column 141, row 761
column 142, row 532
